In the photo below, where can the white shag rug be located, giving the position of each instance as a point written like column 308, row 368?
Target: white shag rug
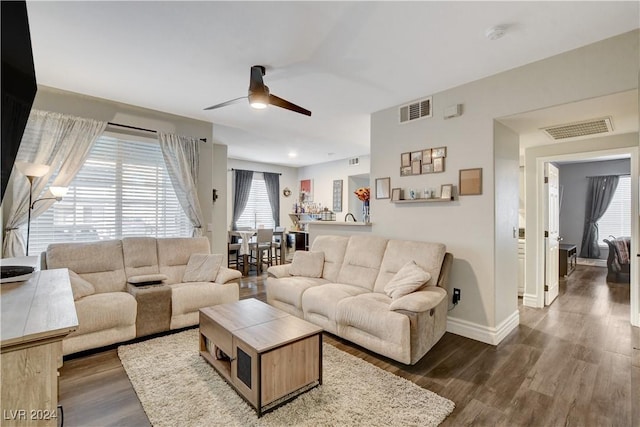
column 177, row 387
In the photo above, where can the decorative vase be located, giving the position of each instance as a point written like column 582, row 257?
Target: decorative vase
column 365, row 212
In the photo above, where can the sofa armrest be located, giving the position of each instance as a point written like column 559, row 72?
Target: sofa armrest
column 279, row 271
column 422, row 300
column 227, row 274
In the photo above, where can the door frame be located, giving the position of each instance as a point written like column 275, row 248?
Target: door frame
column 534, row 252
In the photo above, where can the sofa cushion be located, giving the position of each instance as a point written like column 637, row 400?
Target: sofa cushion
column 323, row 300
column 307, row 264
column 362, row 260
column 202, row 268
column 100, row 263
column 290, row 289
column 103, row 311
column 192, row 296
column 408, row 279
column 147, row 279
column 174, row 254
column 334, row 248
column 80, row 287
column 140, row 256
column 428, row 256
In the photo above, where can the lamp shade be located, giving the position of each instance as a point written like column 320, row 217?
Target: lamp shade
column 59, row 191
column 32, row 169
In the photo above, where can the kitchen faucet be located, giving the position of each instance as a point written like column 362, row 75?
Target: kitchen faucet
column 349, row 215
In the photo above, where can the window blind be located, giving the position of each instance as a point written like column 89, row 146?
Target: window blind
column 122, row 190
column 257, row 213
column 617, row 219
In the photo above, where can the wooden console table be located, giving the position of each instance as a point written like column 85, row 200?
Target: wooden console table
column 36, row 315
column 568, row 258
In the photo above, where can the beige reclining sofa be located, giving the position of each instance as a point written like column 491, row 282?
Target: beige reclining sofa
column 346, row 294
column 134, row 287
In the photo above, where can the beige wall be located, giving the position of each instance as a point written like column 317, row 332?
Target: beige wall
column 51, row 99
column 468, row 225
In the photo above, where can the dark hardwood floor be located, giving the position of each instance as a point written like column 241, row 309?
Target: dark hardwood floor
column 575, row 363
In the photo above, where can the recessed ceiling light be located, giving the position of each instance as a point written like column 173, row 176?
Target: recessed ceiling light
column 293, row 154
column 495, row 33
column 331, row 154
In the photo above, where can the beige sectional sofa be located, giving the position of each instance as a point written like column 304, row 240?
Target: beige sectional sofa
column 112, row 309
column 348, row 298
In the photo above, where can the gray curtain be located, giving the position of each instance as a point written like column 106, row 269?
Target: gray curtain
column 599, row 194
column 181, row 156
column 241, row 192
column 272, row 182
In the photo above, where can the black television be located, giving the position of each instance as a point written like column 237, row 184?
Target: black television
column 18, row 82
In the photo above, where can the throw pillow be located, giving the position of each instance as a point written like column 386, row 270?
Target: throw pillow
column 202, row 268
column 147, row 279
column 80, row 287
column 408, row 279
column 308, row 264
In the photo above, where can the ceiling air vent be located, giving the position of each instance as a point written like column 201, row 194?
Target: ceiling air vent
column 416, row 110
column 574, row 130
column 354, row 161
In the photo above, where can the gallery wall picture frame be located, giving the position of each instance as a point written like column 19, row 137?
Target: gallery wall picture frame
column 438, row 164
column 416, row 167
column 438, row 152
column 395, row 194
column 446, row 191
column 405, row 170
column 337, row 195
column 383, row 188
column 426, row 156
column 405, row 159
column 470, row 182
column 416, row 155
column 427, row 168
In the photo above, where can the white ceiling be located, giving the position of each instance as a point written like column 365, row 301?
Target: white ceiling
column 341, row 60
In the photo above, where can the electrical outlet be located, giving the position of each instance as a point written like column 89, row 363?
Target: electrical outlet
column 456, row 295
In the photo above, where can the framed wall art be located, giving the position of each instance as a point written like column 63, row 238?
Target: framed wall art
column 470, row 182
column 337, row 195
column 438, row 164
column 383, row 188
column 439, row 152
column 416, row 166
column 405, row 159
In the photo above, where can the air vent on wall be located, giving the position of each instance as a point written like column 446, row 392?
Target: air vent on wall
column 416, row 110
column 354, row 161
column 574, row 130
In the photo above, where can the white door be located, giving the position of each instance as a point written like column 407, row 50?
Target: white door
column 552, row 238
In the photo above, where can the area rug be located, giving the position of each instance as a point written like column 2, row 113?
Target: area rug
column 176, row 386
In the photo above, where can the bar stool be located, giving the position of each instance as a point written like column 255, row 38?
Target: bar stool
column 261, row 250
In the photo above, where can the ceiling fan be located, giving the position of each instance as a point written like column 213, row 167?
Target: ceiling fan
column 259, row 96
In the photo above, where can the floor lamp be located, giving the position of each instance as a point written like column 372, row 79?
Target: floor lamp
column 32, row 171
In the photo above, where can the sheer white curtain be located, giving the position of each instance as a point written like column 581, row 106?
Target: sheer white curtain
column 60, row 141
column 181, row 156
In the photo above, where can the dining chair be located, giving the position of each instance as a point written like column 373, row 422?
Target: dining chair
column 279, row 244
column 261, row 249
column 233, row 251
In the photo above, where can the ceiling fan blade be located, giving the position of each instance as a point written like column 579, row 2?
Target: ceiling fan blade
column 283, row 103
column 224, row 104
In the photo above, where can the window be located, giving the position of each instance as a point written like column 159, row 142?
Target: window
column 617, row 219
column 122, row 190
column 258, row 210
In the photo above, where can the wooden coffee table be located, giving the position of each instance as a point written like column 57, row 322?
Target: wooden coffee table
column 267, row 355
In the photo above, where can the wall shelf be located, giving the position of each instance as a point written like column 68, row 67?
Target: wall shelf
column 434, row 200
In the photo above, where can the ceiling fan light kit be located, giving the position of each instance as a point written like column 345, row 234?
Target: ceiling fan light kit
column 259, row 96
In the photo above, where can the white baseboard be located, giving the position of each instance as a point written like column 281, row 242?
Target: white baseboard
column 530, row 300
column 482, row 333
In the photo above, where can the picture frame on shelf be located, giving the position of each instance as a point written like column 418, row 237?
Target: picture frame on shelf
column 405, row 170
column 405, row 159
column 470, row 182
column 426, row 156
column 438, row 164
column 416, row 167
column 446, row 191
column 427, row 168
column 396, row 193
column 383, row 188
column 438, row 152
